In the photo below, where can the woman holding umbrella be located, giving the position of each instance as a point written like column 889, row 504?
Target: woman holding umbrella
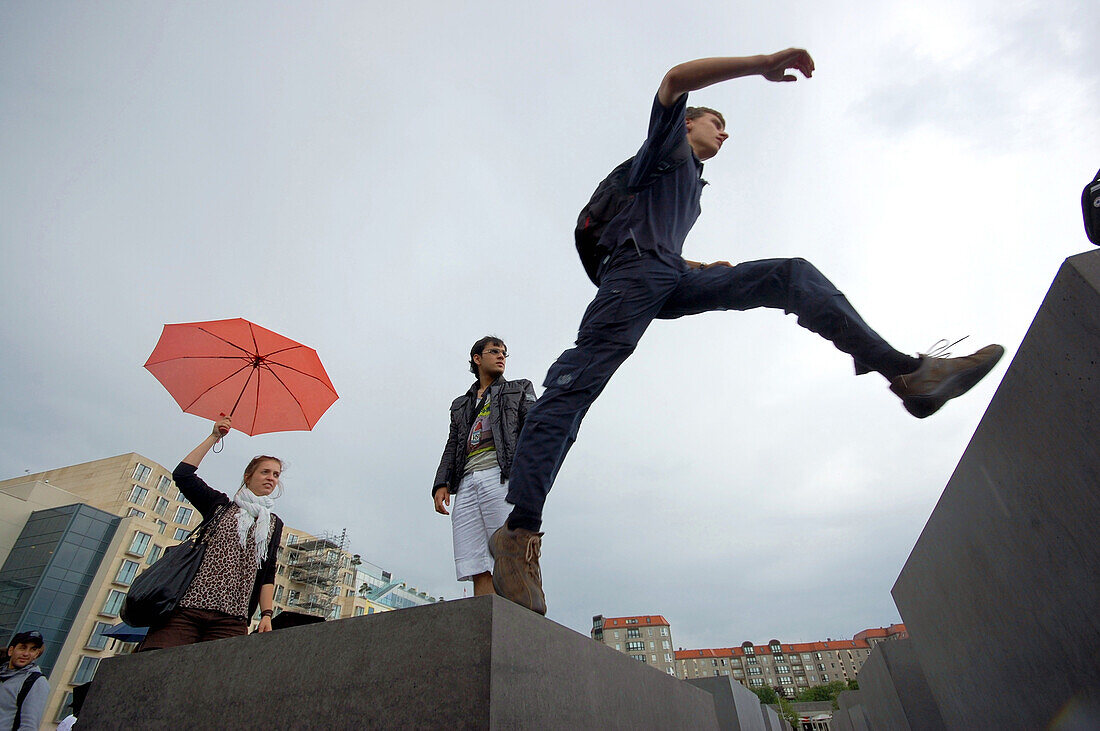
column 238, row 571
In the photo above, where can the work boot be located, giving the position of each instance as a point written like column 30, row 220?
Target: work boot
column 516, row 573
column 939, row 379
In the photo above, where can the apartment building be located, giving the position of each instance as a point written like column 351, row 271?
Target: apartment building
column 646, row 638
column 790, row 667
column 73, row 539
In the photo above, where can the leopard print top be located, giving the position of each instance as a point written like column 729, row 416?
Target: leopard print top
column 227, row 575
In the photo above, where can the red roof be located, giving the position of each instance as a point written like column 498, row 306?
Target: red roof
column 644, row 620
column 767, row 650
column 894, row 629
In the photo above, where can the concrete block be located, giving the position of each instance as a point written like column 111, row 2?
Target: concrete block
column 849, row 716
column 1000, row 592
column 893, row 691
column 772, row 721
column 481, row 663
column 737, row 707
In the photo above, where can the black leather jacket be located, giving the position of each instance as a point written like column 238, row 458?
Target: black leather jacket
column 510, row 400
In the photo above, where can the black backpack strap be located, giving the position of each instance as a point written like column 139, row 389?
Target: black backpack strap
column 28, row 683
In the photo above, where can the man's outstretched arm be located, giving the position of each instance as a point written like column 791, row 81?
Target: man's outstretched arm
column 704, row 72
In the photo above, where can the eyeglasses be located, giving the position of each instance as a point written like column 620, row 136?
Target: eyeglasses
column 495, row 351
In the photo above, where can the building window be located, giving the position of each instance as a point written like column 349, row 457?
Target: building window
column 664, row 631
column 141, row 472
column 370, row 610
column 137, row 495
column 754, row 671
column 161, row 506
column 140, row 543
column 126, row 572
column 639, row 658
column 756, row 682
column 619, row 646
column 359, row 612
column 805, row 656
column 631, row 621
column 97, row 640
column 635, row 646
column 183, row 515
column 64, row 710
column 782, row 669
column 633, row 634
column 291, row 539
column 668, row 657
column 751, row 660
column 785, row 680
column 154, row 554
column 163, row 484
column 737, row 673
column 113, row 604
column 86, row 669
column 750, row 650
column 135, row 513
column 665, row 645
column 161, row 526
column 181, row 534
column 180, row 498
column 821, row 666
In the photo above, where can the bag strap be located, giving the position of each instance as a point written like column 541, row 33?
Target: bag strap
column 28, row 683
column 206, row 526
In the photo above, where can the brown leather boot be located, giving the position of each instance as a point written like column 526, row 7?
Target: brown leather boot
column 516, row 573
column 938, row 380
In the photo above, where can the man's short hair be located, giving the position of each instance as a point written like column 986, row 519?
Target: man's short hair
column 696, row 112
column 32, row 637
column 480, row 346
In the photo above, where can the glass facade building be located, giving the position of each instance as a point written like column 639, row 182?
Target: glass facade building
column 47, row 574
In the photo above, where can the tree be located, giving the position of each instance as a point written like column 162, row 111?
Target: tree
column 767, row 696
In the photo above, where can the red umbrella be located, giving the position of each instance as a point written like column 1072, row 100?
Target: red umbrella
column 265, row 381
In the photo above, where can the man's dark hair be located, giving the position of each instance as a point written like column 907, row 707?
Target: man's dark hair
column 480, row 346
column 696, row 112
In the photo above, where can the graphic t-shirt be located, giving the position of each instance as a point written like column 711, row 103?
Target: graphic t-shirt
column 481, row 453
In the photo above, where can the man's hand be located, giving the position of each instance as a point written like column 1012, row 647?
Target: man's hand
column 792, row 58
column 442, row 497
column 704, row 265
column 265, row 625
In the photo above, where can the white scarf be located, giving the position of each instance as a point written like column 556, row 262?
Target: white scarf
column 254, row 509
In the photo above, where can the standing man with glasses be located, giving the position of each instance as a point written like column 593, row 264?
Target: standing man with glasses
column 643, row 213
column 485, row 426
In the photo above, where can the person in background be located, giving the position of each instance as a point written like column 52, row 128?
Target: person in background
column 485, row 424
column 24, row 687
column 237, row 574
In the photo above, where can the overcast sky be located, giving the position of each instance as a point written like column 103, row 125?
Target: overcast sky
column 388, row 182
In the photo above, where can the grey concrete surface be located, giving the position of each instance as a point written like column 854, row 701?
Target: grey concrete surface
column 772, row 721
column 737, row 707
column 474, row 663
column 1000, row 593
column 849, row 716
column 894, row 693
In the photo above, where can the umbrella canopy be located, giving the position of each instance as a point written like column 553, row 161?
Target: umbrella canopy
column 125, row 633
column 265, row 381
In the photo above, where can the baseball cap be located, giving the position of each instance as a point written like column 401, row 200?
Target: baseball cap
column 30, row 637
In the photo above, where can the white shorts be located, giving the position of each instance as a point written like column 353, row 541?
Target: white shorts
column 479, row 509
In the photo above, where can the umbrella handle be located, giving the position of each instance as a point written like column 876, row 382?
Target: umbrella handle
column 219, row 441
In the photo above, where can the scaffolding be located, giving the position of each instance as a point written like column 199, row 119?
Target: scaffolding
column 315, row 567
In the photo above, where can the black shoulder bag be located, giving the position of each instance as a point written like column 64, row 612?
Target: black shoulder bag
column 158, row 589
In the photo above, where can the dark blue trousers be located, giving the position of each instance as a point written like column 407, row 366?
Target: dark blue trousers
column 636, row 288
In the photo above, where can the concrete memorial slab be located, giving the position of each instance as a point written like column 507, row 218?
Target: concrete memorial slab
column 1000, row 593
column 737, row 707
column 480, row 663
column 893, row 691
